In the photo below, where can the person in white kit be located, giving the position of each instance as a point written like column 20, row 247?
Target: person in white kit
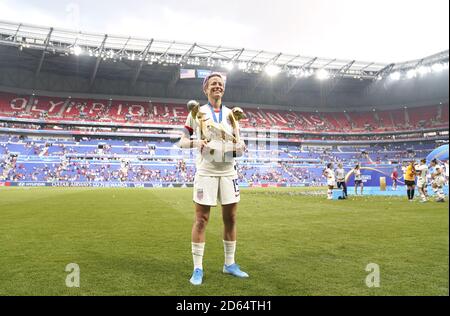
column 438, row 180
column 340, row 178
column 216, row 179
column 329, row 174
column 358, row 179
column 422, row 181
column 446, row 171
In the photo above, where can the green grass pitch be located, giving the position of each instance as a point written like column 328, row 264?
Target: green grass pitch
column 137, row 242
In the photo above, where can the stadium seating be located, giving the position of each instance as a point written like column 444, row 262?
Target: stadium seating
column 100, row 160
column 54, row 109
column 161, row 161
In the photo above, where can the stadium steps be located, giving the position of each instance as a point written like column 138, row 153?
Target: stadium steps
column 377, row 119
column 407, row 120
column 439, row 113
column 349, row 119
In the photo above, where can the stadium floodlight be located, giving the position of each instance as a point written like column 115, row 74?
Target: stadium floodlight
column 322, row 74
column 111, row 54
column 395, row 76
column 438, row 67
column 423, row 70
column 272, row 70
column 411, row 73
column 296, row 72
column 254, row 67
column 302, row 73
column 242, row 65
column 77, row 50
column 229, row 65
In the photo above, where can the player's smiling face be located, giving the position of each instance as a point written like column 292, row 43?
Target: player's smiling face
column 215, row 88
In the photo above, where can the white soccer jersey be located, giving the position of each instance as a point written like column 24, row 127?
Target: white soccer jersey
column 213, row 164
column 329, row 174
column 439, row 170
column 357, row 173
column 423, row 169
column 438, row 177
column 340, row 174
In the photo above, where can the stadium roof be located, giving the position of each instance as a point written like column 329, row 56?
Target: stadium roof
column 57, row 60
column 154, row 51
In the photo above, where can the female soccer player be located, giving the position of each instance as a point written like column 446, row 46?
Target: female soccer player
column 438, row 180
column 329, row 174
column 340, row 176
column 422, row 181
column 215, row 179
column 358, row 179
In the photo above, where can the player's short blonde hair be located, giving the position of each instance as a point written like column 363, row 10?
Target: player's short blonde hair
column 212, row 75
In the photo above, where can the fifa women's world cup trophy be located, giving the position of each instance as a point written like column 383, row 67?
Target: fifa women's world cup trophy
column 219, row 139
column 224, row 141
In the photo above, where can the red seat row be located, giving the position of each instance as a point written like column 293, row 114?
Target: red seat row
column 72, row 109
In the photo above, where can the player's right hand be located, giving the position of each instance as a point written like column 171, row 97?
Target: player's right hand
column 200, row 144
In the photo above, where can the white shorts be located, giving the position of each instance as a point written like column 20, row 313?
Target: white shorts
column 421, row 184
column 213, row 190
column 439, row 181
column 330, row 183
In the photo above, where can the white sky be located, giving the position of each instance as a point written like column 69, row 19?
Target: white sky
column 376, row 30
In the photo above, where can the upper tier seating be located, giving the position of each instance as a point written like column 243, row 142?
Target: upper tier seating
column 89, row 110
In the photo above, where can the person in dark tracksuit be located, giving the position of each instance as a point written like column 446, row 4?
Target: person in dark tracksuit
column 340, row 177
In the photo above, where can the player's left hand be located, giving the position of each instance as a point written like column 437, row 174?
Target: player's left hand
column 240, row 149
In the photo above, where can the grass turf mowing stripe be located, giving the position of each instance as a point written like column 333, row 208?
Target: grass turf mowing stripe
column 137, row 242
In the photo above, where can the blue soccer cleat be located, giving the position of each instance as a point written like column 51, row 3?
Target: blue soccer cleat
column 197, row 277
column 234, row 269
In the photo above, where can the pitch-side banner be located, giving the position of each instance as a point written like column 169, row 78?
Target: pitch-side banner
column 132, row 184
column 93, row 184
